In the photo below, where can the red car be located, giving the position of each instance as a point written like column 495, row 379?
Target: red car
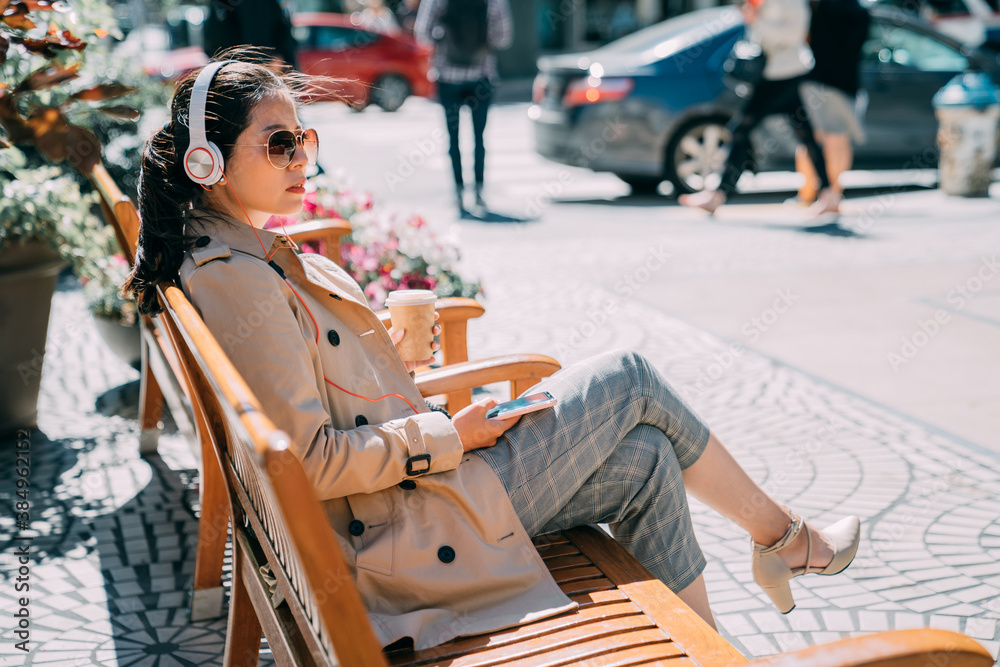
column 383, row 68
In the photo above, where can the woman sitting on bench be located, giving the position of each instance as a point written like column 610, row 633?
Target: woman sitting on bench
column 434, row 513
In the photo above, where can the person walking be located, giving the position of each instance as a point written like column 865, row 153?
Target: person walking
column 262, row 23
column 465, row 34
column 837, row 33
column 780, row 28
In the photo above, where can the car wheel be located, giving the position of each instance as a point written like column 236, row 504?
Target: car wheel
column 696, row 151
column 641, row 185
column 390, row 91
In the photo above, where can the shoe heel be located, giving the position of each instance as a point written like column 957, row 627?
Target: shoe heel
column 781, row 596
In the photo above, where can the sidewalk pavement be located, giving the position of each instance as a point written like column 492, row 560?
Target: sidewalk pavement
column 112, row 556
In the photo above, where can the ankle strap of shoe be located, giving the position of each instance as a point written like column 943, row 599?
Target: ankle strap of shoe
column 789, row 536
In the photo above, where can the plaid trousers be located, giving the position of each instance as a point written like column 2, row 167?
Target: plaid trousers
column 611, row 451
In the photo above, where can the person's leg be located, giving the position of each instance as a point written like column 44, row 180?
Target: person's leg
column 696, row 597
column 639, row 492
column 479, row 103
column 789, row 102
column 839, row 155
column 739, row 158
column 803, row 165
column 720, row 482
column 449, row 94
column 545, row 459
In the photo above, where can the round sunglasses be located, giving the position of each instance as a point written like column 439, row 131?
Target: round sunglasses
column 282, row 144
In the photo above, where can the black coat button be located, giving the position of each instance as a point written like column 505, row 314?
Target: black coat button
column 360, row 421
column 202, row 241
column 356, row 528
column 407, row 485
column 446, row 554
column 333, row 337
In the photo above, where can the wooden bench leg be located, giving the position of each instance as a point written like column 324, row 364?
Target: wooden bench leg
column 213, row 526
column 150, row 405
column 243, row 632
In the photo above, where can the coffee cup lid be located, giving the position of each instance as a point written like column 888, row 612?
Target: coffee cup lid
column 410, row 297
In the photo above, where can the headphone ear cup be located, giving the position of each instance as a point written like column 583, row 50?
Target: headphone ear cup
column 204, row 164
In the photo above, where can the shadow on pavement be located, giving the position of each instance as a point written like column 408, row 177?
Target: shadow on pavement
column 830, row 229
column 493, row 217
column 147, row 549
column 112, row 555
column 763, row 197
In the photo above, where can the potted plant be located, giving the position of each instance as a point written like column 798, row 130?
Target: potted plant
column 45, row 220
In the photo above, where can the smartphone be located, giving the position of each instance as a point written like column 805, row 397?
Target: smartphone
column 522, row 405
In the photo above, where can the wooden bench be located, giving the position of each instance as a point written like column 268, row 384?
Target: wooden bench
column 160, row 382
column 625, row 617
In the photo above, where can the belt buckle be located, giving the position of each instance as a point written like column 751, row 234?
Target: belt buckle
column 419, row 457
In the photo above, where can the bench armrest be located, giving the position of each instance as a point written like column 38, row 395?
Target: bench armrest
column 523, row 371
column 330, row 231
column 895, row 648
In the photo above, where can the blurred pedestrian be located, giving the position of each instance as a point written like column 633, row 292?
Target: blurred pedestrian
column 837, row 32
column 780, row 28
column 465, row 33
column 375, row 16
column 261, row 23
column 406, row 14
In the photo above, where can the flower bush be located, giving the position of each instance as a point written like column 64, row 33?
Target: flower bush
column 385, row 251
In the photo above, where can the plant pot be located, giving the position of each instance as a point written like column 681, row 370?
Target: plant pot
column 124, row 340
column 28, row 276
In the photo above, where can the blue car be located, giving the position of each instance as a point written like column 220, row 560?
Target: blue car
column 653, row 106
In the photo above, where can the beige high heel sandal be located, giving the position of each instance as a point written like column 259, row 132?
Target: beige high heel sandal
column 771, row 573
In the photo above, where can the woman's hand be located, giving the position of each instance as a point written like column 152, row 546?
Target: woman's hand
column 475, row 430
column 397, row 337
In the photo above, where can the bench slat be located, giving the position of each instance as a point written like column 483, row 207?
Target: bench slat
column 638, row 655
column 695, row 637
column 566, row 562
column 525, row 643
column 511, row 636
column 598, row 597
column 576, row 573
column 551, row 539
column 652, row 640
column 558, row 550
column 587, row 585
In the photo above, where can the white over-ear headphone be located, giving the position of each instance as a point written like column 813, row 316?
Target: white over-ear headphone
column 203, row 159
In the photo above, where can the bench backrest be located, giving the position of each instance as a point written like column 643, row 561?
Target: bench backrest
column 270, row 494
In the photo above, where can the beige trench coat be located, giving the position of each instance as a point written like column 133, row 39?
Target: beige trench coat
column 435, row 555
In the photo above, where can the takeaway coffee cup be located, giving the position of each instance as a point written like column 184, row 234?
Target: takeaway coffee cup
column 413, row 310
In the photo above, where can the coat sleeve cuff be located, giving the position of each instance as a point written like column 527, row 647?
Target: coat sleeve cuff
column 439, row 439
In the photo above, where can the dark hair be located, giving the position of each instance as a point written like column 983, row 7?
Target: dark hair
column 166, row 194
